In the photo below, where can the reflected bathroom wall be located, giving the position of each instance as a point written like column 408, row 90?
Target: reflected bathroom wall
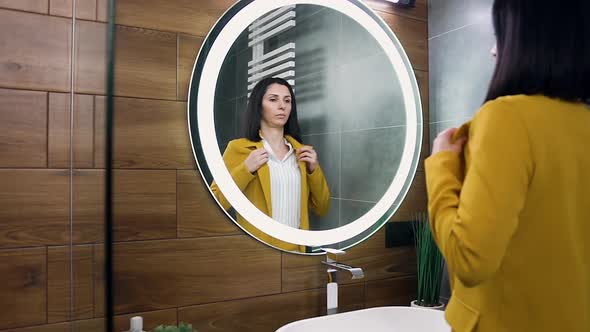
column 349, row 105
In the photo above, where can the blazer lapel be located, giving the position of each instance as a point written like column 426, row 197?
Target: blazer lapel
column 264, row 176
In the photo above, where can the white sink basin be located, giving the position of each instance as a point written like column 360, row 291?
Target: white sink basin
column 381, row 319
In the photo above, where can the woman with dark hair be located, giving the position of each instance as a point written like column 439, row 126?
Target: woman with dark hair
column 509, row 192
column 276, row 172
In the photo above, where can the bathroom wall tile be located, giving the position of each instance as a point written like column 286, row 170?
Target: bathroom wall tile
column 102, row 10
column 413, row 35
column 364, row 104
column 458, row 88
column 89, row 205
column 327, row 147
column 23, row 112
column 226, row 82
column 85, row 9
column 241, row 72
column 99, row 131
column 144, row 204
column 59, row 283
column 151, row 319
column 388, row 292
column 145, row 62
column 268, row 313
column 34, row 207
column 151, row 134
column 416, row 200
column 91, row 57
column 225, row 121
column 59, row 130
column 37, row 6
column 188, row 48
column 356, row 42
column 445, row 16
column 198, row 214
column 40, row 51
column 370, row 159
column 153, row 275
column 99, row 280
column 317, row 103
column 86, row 325
column 330, row 221
column 23, row 287
column 352, row 210
column 317, row 40
column 187, row 16
column 377, row 262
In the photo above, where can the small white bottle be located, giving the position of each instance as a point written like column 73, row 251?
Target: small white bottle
column 136, row 324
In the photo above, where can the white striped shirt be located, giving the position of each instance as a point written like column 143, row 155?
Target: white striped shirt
column 285, row 186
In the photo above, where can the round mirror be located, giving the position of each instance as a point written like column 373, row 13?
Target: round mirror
column 305, row 121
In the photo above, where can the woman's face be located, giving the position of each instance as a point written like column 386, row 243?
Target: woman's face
column 276, row 106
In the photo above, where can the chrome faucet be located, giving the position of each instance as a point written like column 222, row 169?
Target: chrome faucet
column 333, row 267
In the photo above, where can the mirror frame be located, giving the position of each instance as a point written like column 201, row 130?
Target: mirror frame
column 200, row 109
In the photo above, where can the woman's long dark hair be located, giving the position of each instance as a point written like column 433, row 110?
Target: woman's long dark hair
column 253, row 114
column 543, row 47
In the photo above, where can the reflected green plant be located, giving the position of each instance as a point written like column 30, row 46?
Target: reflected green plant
column 430, row 263
column 182, row 327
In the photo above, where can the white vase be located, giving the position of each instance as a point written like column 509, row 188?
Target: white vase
column 416, row 305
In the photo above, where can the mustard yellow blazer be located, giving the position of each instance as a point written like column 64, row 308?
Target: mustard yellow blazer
column 256, row 187
column 511, row 216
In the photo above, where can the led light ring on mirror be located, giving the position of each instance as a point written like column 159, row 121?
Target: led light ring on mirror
column 206, row 127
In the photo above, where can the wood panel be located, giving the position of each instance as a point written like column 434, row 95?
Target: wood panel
column 23, row 128
column 91, row 57
column 23, row 288
column 59, row 131
column 413, row 35
column 39, row 57
column 99, row 280
column 151, row 134
column 397, row 291
column 89, row 205
column 99, row 131
column 420, row 12
column 267, row 313
column 188, row 16
column 85, row 9
column 197, row 214
column 422, row 78
column 144, row 205
column 38, row 6
column 377, row 262
column 34, row 207
column 188, row 48
column 59, row 283
column 145, row 62
column 151, row 319
column 102, row 10
column 416, row 200
column 87, row 325
column 153, row 275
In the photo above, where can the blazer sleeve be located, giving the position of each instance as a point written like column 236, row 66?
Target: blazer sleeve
column 474, row 214
column 319, row 192
column 234, row 158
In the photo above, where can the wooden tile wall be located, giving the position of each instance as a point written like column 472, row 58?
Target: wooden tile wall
column 177, row 258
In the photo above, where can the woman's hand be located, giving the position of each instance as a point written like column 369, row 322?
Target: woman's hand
column 444, row 142
column 256, row 159
column 309, row 156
